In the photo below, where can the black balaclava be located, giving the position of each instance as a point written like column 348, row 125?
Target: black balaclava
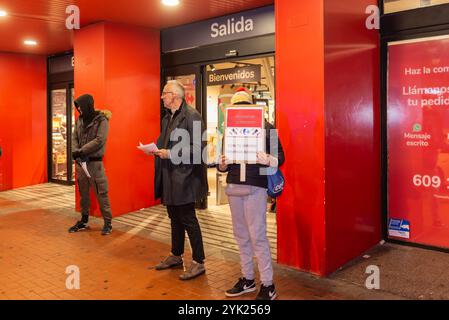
column 85, row 106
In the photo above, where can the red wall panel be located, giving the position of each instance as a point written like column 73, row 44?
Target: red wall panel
column 327, row 79
column 132, row 74
column 300, row 114
column 89, row 77
column 352, row 75
column 122, row 71
column 23, row 124
column 89, row 50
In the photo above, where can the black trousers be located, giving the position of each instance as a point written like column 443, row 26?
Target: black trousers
column 183, row 218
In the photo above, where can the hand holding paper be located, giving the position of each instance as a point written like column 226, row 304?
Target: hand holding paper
column 163, row 153
column 149, row 149
column 83, row 164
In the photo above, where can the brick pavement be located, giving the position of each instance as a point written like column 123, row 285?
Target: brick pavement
column 36, row 249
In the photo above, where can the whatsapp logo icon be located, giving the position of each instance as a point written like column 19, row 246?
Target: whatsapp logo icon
column 417, row 127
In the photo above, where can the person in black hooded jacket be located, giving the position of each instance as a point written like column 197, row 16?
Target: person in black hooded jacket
column 89, row 145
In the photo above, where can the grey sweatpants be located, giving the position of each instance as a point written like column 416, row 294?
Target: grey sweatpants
column 99, row 183
column 249, row 214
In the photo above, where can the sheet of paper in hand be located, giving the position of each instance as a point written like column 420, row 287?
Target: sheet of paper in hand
column 244, row 133
column 148, row 148
column 84, row 166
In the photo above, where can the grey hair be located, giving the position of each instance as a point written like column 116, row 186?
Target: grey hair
column 178, row 88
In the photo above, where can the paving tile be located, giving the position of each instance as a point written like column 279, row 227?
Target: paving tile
column 36, row 249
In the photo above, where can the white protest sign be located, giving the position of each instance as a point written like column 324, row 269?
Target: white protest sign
column 244, row 133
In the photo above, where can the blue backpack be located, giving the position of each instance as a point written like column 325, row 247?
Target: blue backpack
column 276, row 183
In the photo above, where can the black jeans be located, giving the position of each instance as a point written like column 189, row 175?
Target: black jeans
column 183, row 218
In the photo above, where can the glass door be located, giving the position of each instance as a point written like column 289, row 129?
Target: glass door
column 255, row 76
column 62, row 121
column 59, row 134
column 191, row 78
column 72, row 122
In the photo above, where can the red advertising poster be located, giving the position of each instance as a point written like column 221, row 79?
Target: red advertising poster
column 418, row 141
column 245, row 118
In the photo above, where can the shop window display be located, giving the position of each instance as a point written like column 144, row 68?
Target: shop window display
column 59, row 134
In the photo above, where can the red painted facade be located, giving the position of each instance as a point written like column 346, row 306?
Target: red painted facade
column 120, row 66
column 352, row 108
column 327, row 84
column 23, row 120
column 328, row 110
column 300, row 114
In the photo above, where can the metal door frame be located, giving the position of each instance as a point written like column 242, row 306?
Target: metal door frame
column 58, row 86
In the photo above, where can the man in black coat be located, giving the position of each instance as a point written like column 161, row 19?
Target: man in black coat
column 181, row 177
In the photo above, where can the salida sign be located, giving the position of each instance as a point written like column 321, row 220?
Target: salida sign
column 231, row 27
column 418, row 141
column 251, row 23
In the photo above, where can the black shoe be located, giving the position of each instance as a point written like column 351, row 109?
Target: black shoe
column 79, row 226
column 107, row 229
column 241, row 287
column 267, row 293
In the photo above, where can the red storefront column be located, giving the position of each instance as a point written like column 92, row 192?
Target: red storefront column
column 328, row 110
column 300, row 114
column 23, row 120
column 352, row 108
column 120, row 66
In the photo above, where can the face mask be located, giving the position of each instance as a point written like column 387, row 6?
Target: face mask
column 85, row 106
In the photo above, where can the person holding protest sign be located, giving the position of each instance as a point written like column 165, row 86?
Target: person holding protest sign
column 248, row 203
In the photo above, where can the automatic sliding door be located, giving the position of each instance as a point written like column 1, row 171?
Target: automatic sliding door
column 62, row 124
column 190, row 77
column 223, row 79
column 59, row 134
